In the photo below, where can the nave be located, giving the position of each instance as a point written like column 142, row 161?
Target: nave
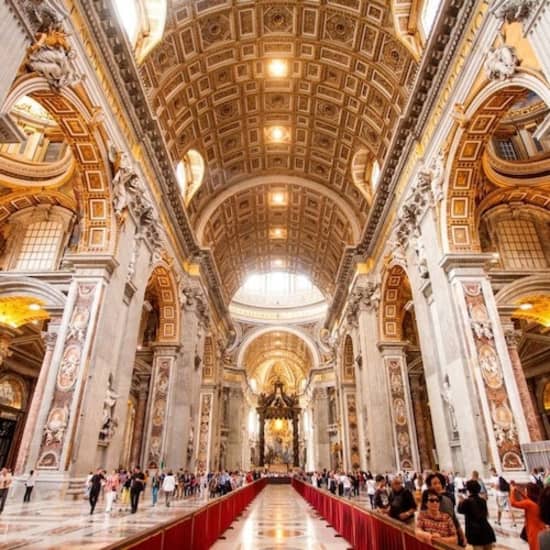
column 279, row 518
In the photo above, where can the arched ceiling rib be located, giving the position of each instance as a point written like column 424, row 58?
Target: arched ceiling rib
column 348, row 81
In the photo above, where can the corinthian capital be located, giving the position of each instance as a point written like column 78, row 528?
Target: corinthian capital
column 413, row 208
column 363, row 298
column 510, row 11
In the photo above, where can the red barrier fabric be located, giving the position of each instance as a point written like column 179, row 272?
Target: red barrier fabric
column 178, row 536
column 360, row 536
column 213, row 523
column 200, row 528
column 347, row 523
column 152, row 543
column 384, row 536
column 361, row 528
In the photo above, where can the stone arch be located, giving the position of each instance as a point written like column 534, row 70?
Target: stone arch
column 207, row 212
column 511, row 293
column 310, row 343
column 162, row 280
column 75, row 116
column 395, row 294
column 482, row 117
column 53, row 300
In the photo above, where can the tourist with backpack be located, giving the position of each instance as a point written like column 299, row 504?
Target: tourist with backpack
column 501, row 488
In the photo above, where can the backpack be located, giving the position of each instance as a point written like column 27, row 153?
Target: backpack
column 503, row 485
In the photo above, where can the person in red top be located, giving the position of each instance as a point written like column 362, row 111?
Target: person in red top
column 533, row 523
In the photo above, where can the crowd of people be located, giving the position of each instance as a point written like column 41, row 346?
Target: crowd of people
column 122, row 489
column 432, row 503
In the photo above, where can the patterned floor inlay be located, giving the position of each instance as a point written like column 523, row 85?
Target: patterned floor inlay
column 279, row 518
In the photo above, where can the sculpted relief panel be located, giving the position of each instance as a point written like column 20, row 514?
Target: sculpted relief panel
column 73, row 361
column 502, row 418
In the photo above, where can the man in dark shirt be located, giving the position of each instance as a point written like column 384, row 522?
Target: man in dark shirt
column 402, row 503
column 137, row 485
column 95, row 488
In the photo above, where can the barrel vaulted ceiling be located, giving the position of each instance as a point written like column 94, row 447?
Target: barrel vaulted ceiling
column 347, row 84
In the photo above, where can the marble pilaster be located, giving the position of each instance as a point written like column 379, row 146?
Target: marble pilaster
column 161, row 389
column 50, row 340
column 399, row 397
column 186, row 382
column 320, row 413
column 424, row 441
column 486, row 347
column 512, row 336
column 18, row 35
column 139, row 426
column 376, row 400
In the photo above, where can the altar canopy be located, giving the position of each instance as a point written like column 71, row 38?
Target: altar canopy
column 278, row 414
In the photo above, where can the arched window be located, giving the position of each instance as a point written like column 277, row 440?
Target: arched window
column 190, row 173
column 428, row 15
column 546, row 397
column 143, row 21
column 375, row 175
column 517, row 236
column 35, row 238
column 365, row 171
column 12, row 392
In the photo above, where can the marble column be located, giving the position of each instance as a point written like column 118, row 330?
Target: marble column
column 15, row 32
column 187, row 379
column 373, row 381
column 485, row 346
column 204, row 456
column 404, row 436
column 139, row 425
column 160, row 391
column 50, row 339
column 320, row 412
column 536, row 27
column 512, row 336
column 419, row 404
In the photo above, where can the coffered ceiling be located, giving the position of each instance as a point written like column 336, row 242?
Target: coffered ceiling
column 346, row 86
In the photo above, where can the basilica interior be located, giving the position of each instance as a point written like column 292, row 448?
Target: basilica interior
column 265, row 235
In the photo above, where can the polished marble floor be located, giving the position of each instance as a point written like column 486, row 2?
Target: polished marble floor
column 63, row 525
column 280, row 518
column 277, row 518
